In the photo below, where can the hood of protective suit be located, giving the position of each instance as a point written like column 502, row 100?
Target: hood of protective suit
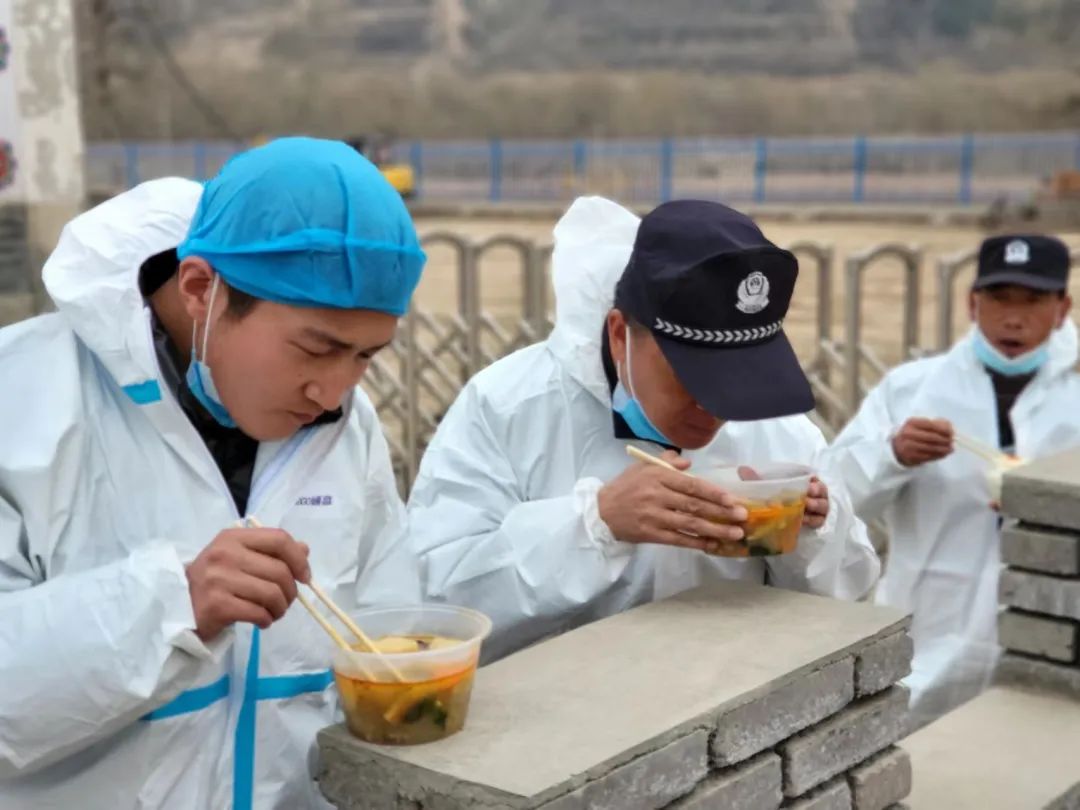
column 93, row 274
column 593, row 242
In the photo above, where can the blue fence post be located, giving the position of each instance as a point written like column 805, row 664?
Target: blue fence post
column 131, row 164
column 199, row 159
column 967, row 167
column 581, row 158
column 667, row 169
column 496, row 169
column 1076, row 159
column 858, row 191
column 761, row 167
column 416, row 160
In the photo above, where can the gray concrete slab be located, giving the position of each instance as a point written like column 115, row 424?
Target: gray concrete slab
column 882, row 781
column 835, row 795
column 759, row 724
column 883, row 663
column 1045, row 492
column 1051, row 552
column 855, row 735
column 1007, row 749
column 1038, row 635
column 751, row 785
column 1041, row 593
column 1033, row 673
column 557, row 715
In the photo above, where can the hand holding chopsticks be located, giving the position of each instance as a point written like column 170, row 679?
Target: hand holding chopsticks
column 244, row 575
column 366, row 643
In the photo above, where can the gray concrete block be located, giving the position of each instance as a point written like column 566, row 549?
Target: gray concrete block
column 1070, row 800
column 752, row 727
column 1045, row 550
column 883, row 663
column 1016, row 670
column 1038, row 635
column 882, row 781
column 1040, row 593
column 836, row 795
column 854, row 735
column 648, row 782
column 1045, row 492
column 752, row 785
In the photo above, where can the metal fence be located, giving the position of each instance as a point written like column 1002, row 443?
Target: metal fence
column 962, row 169
column 414, row 382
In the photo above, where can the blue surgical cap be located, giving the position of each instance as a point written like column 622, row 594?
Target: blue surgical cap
column 308, row 222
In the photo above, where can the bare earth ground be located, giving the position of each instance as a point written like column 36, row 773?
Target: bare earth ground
column 883, row 283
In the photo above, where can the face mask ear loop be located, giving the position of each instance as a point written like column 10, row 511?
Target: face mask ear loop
column 209, row 311
column 629, row 366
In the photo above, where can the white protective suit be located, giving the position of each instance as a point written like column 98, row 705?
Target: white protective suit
column 504, row 516
column 944, row 555
column 109, row 700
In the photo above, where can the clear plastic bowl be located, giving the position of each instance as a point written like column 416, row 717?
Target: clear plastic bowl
column 405, row 698
column 775, row 501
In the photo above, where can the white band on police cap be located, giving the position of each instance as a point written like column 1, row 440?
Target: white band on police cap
column 724, row 336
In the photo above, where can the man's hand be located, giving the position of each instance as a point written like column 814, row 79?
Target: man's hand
column 817, row 505
column 648, row 504
column 922, row 440
column 245, row 575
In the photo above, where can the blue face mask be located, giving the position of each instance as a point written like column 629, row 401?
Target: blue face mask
column 626, row 405
column 1027, row 363
column 199, row 378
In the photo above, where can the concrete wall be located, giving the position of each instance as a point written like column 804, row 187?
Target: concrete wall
column 1016, row 745
column 738, row 696
column 1040, row 587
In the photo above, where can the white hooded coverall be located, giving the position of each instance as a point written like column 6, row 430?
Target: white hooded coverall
column 109, row 700
column 503, row 516
column 944, row 555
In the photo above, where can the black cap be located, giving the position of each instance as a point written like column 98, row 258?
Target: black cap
column 714, row 292
column 1036, row 262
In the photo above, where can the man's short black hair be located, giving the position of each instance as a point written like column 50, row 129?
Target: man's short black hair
column 240, row 303
column 159, row 268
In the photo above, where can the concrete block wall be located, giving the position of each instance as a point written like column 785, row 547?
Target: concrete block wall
column 1040, row 586
column 735, row 696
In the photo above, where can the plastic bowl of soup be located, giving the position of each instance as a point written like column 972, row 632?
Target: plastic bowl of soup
column 418, row 690
column 775, row 499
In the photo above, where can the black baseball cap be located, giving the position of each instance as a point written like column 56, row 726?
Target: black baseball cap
column 714, row 293
column 1032, row 261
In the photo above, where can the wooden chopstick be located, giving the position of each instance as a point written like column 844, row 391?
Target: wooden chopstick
column 980, row 449
column 648, row 458
column 353, row 627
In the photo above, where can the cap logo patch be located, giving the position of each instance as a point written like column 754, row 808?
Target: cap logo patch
column 1017, row 252
column 753, row 293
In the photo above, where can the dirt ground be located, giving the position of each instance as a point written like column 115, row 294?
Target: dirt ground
column 883, row 284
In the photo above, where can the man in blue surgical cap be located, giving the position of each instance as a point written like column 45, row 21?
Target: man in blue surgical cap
column 201, row 372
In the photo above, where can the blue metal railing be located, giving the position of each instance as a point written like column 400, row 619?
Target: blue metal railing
column 962, row 169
